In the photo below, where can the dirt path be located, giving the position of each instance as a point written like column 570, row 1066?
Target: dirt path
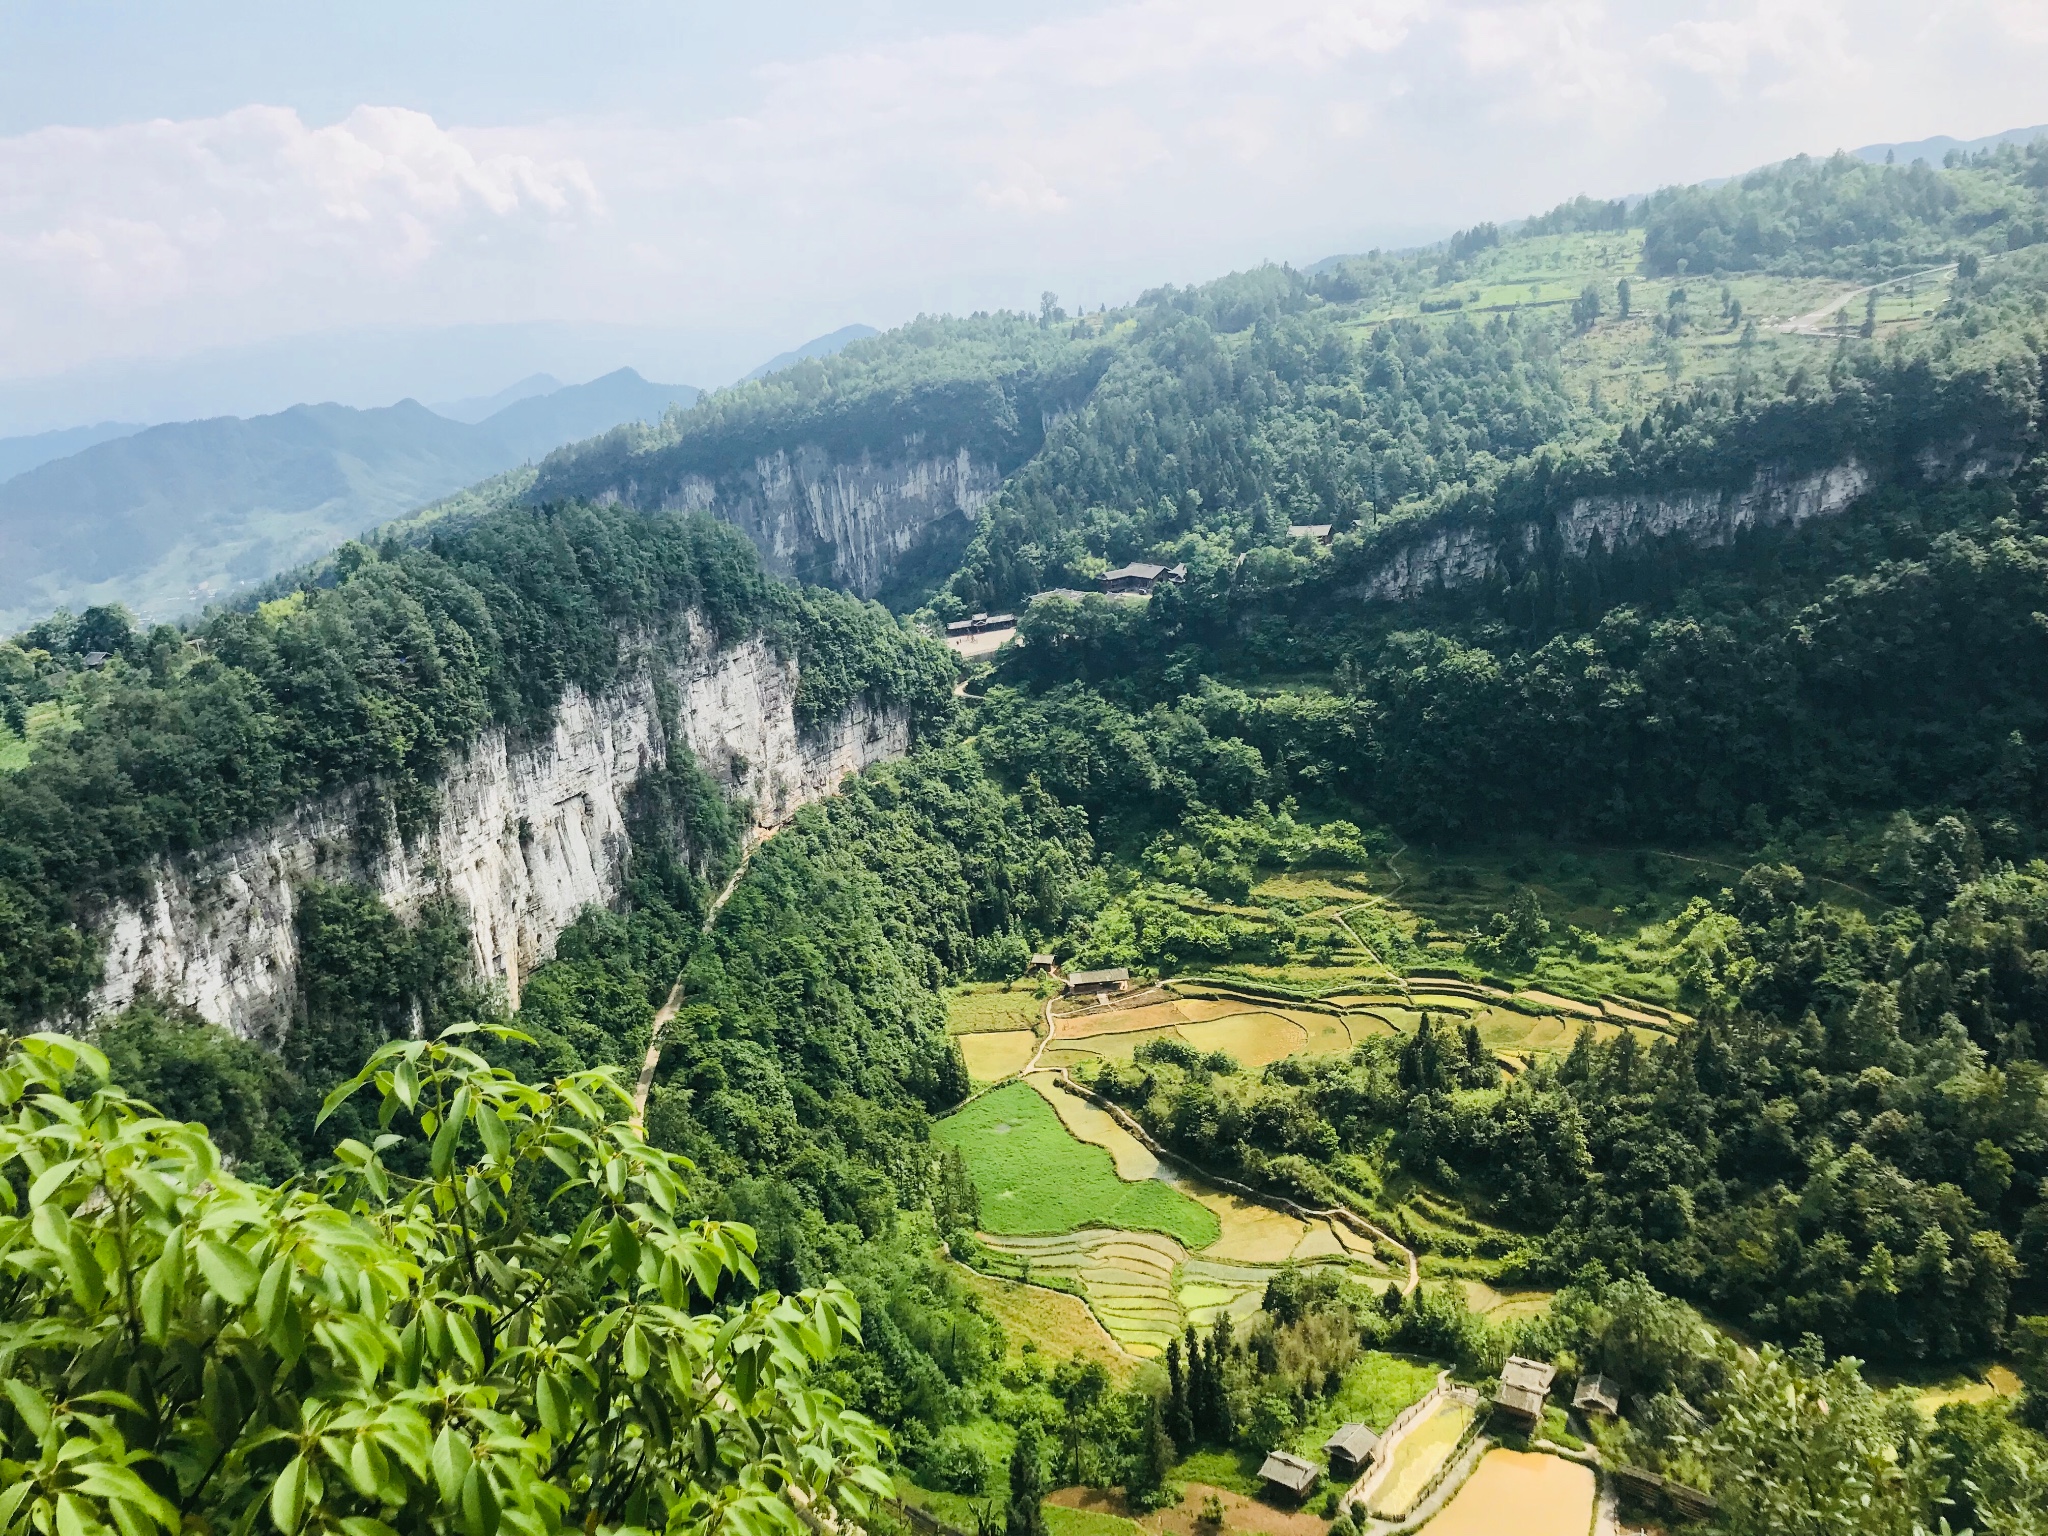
column 667, row 1011
column 1821, row 322
column 1343, row 916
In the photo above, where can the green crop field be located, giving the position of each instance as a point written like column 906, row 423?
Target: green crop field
column 1035, row 1177
column 1376, row 1388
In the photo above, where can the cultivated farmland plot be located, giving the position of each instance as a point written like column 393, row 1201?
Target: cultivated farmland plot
column 1071, row 1199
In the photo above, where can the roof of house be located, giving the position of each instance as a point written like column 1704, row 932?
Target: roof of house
column 1140, row 570
column 1290, row 1471
column 1597, row 1391
column 1044, row 960
column 960, row 627
column 1524, row 1384
column 1354, row 1440
column 1309, row 530
column 1098, row 978
column 1530, row 1375
column 95, row 658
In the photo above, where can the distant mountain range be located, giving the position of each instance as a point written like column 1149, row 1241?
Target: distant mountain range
column 817, row 346
column 166, row 519
column 173, row 517
column 18, row 455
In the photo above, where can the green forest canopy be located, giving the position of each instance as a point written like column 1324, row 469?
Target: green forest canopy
column 1844, row 1153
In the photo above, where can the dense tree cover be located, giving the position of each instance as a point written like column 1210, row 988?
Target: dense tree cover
column 1843, row 216
column 811, row 1042
column 1888, row 656
column 985, row 383
column 1851, row 1143
column 374, row 681
column 1217, row 423
column 494, row 1317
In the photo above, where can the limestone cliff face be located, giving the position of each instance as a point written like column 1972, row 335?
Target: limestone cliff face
column 528, row 833
column 1458, row 556
column 838, row 522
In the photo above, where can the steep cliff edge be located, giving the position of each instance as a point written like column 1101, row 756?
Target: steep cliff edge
column 527, row 833
column 847, row 523
column 1462, row 552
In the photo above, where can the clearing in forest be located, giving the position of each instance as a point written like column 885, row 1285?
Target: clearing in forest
column 1526, row 1492
column 1034, row 1177
column 1417, row 1457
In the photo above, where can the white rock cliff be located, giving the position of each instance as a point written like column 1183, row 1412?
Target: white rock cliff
column 526, row 836
column 1457, row 556
column 845, row 523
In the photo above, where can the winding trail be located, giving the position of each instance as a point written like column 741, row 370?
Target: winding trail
column 667, row 1011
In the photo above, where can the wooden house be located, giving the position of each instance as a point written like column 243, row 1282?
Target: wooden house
column 1098, row 983
column 1138, row 578
column 1523, row 1390
column 1351, row 1450
column 1597, row 1394
column 1318, row 533
column 1288, row 1475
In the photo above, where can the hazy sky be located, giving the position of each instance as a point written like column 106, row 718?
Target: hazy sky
column 695, row 187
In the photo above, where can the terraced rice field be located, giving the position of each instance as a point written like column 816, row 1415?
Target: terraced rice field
column 1059, row 1323
column 1035, row 1177
column 994, row 1055
column 1126, row 1277
column 1066, row 1189
column 1504, row 1306
column 1525, row 1492
column 1254, row 1033
column 1417, row 1457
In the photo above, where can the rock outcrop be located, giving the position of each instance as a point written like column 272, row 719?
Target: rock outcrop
column 1460, row 555
column 846, row 523
column 528, row 832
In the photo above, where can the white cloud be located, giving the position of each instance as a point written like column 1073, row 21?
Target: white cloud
column 222, row 228
column 1144, row 141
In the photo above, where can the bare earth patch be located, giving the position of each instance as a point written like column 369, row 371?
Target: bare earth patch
column 1239, row 1512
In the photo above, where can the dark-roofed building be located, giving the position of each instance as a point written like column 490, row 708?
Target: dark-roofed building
column 94, row 660
column 1289, row 1475
column 1138, row 578
column 1524, row 1387
column 1351, row 1450
column 981, row 624
column 1114, row 979
column 1041, row 962
column 1320, row 533
column 1597, row 1394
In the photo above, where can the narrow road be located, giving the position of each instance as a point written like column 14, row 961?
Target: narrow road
column 1822, row 321
column 667, row 1011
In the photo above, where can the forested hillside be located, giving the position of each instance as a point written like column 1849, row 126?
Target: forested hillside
column 1643, row 933
column 170, row 519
